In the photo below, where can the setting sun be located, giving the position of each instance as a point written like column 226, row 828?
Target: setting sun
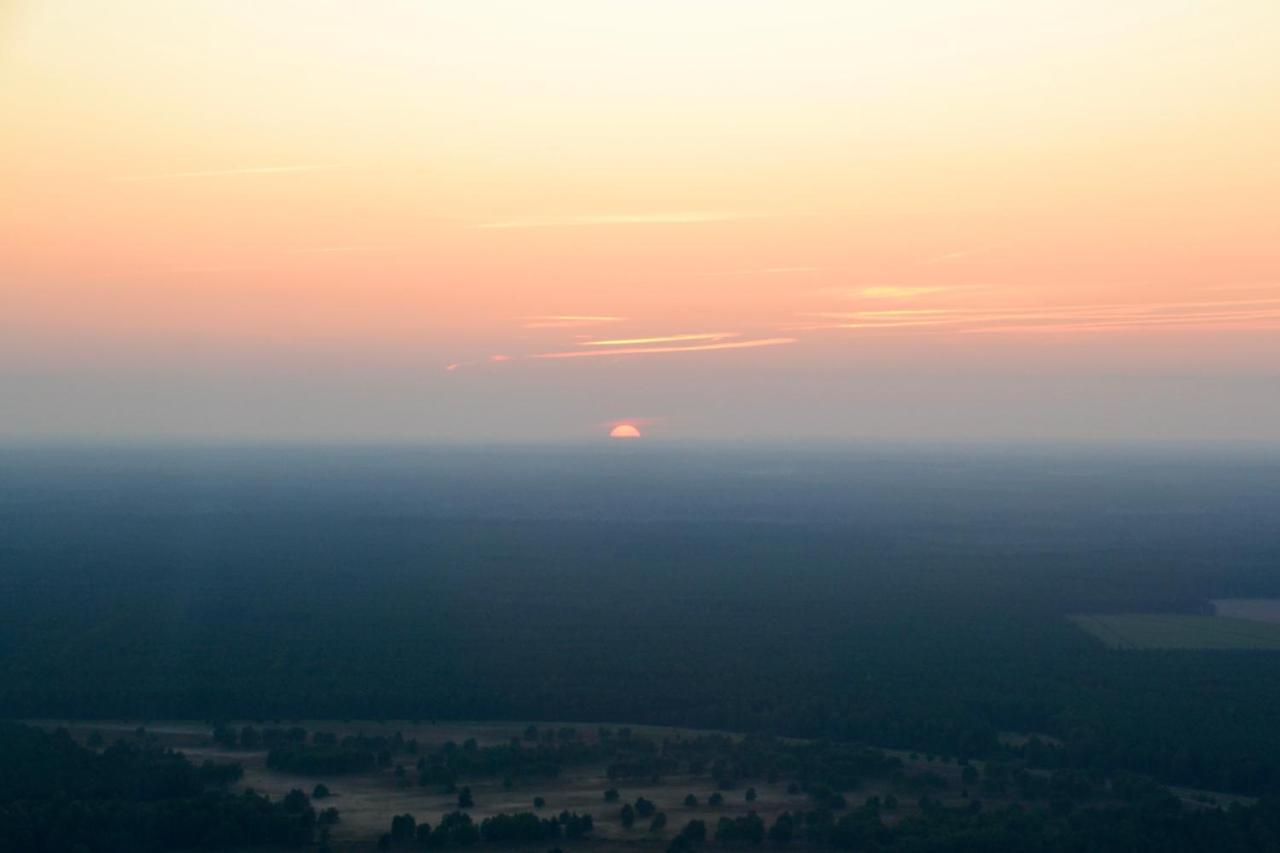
column 624, row 431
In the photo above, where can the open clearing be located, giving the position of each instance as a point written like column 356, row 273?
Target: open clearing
column 368, row 801
column 1255, row 609
column 1179, row 631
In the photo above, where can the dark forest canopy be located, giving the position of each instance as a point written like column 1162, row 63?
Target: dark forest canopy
column 911, row 600
column 131, row 797
column 59, row 797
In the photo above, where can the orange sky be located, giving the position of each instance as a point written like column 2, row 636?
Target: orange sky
column 429, row 196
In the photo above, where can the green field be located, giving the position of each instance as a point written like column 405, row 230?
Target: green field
column 1179, row 631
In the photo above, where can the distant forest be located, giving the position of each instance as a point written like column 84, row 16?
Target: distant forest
column 897, row 602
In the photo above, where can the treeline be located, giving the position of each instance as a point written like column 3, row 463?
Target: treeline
column 320, row 759
column 814, row 767
column 59, row 797
column 1144, row 819
column 1153, row 821
column 293, row 750
column 457, row 829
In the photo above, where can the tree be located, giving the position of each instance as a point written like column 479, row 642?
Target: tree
column 576, row 825
column 403, row 828
column 690, row 801
column 751, row 795
column 611, row 795
column 737, row 830
column 465, row 800
column 627, row 816
column 539, row 802
column 320, row 791
column 695, row 831
column 456, row 829
column 295, row 801
column 659, row 822
column 783, row 829
column 716, row 799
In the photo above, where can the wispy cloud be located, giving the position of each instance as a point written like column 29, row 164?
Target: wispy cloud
column 342, row 250
column 1240, row 314
column 220, row 173
column 766, row 271
column 887, row 291
column 680, row 217
column 965, row 253
column 710, row 342
column 1250, row 285
column 1255, row 320
column 496, row 358
column 894, row 292
column 728, row 345
column 665, row 339
column 567, row 321
column 224, row 268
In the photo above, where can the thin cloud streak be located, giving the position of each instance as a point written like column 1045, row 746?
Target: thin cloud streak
column 887, row 291
column 1096, row 317
column 567, row 321
column 219, row 173
column 899, row 292
column 965, row 253
column 758, row 342
column 586, row 220
column 228, row 268
column 1205, row 315
column 1221, row 320
column 1250, row 285
column 338, row 250
column 701, row 336
column 766, row 271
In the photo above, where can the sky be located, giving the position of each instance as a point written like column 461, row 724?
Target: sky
column 716, row 220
